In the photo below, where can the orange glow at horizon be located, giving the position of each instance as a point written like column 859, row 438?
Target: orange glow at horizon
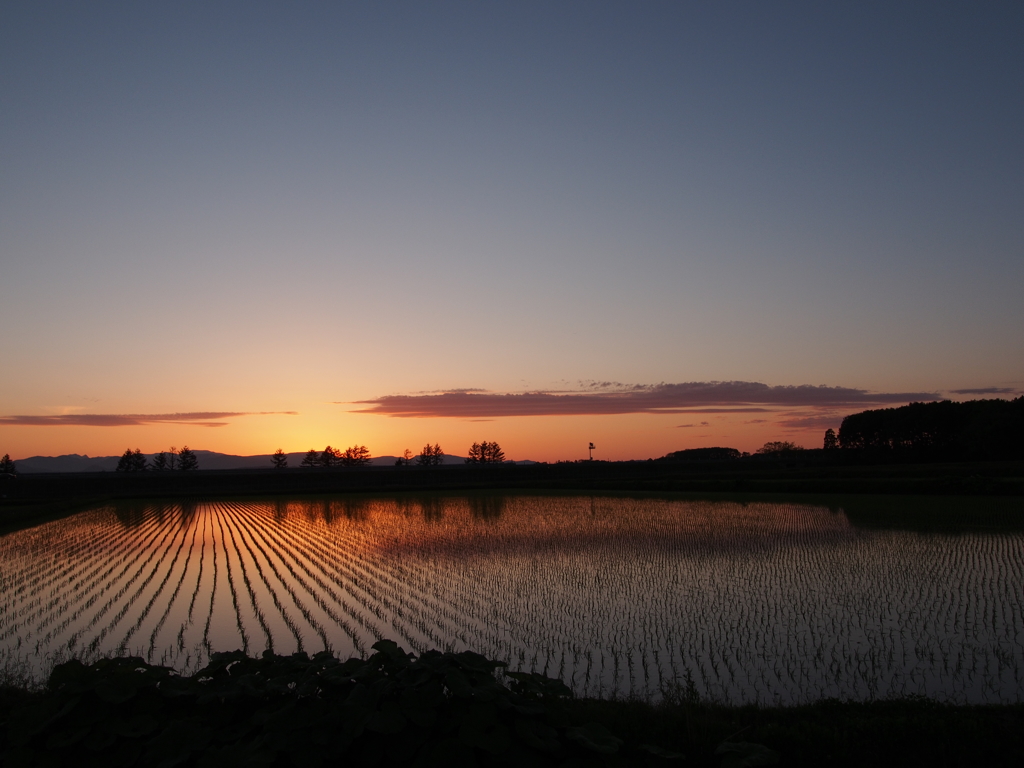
column 538, row 438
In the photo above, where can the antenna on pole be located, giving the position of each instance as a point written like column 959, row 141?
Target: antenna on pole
column 591, row 451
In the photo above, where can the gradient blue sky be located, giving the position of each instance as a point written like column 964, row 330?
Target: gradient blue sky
column 238, row 208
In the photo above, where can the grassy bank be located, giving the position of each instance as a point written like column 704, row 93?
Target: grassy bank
column 456, row 709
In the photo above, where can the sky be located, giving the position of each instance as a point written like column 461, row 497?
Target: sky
column 650, row 226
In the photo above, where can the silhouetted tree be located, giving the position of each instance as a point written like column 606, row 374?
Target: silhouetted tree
column 279, row 460
column 330, row 457
column 159, row 463
column 831, row 441
column 6, row 465
column 485, row 453
column 187, row 460
column 702, row 454
column 778, row 446
column 356, row 456
column 132, row 461
column 311, row 459
column 405, row 459
column 430, row 456
column 172, row 457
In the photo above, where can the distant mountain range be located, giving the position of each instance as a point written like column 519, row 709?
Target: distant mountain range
column 74, row 462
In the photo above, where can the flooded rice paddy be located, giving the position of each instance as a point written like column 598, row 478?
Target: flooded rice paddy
column 778, row 603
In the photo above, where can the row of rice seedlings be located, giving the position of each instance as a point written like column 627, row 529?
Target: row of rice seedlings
column 362, row 581
column 138, row 604
column 191, row 615
column 393, row 597
column 66, row 534
column 172, row 601
column 30, row 573
column 282, row 612
column 369, row 600
column 269, row 557
column 129, row 591
column 317, row 595
column 301, row 624
column 84, row 595
column 147, row 534
column 24, row 606
column 408, row 586
column 253, row 601
column 168, row 571
column 239, row 623
column 374, row 618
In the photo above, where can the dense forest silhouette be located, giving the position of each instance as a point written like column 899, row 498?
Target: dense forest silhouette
column 938, row 431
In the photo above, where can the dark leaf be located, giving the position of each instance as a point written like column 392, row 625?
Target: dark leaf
column 458, row 684
column 742, row 754
column 537, row 735
column 388, row 719
column 595, row 737
column 665, row 754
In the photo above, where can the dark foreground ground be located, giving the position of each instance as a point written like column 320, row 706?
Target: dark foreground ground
column 451, row 710
column 29, row 498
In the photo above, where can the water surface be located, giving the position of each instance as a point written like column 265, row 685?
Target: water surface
column 774, row 602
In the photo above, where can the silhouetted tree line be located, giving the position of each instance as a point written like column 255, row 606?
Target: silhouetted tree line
column 946, row 430
column 777, row 448
column 702, row 454
column 430, row 456
column 134, row 461
column 353, row 456
column 485, row 453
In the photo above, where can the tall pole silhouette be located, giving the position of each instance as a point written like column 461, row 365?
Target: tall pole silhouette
column 591, row 451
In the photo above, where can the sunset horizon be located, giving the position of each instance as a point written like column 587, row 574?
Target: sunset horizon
column 632, row 422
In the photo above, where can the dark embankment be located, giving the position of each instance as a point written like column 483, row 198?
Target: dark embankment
column 30, row 497
column 451, row 709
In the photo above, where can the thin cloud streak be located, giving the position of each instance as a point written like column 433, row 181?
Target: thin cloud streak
column 652, row 398
column 985, row 391
column 726, row 410
column 817, row 421
column 199, row 419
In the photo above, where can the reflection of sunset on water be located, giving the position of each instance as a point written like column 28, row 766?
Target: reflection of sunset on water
column 621, row 595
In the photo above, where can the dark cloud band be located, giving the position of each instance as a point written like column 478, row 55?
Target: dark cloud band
column 199, row 419
column 691, row 397
column 985, row 391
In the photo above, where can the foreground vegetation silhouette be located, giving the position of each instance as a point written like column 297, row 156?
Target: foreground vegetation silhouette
column 456, row 709
column 390, row 709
